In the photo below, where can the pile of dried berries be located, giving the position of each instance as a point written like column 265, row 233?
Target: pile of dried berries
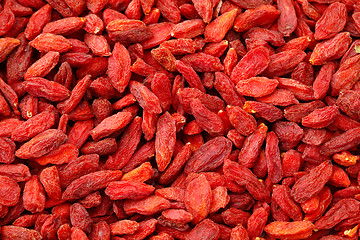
column 179, row 119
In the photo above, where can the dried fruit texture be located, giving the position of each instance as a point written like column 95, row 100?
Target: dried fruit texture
column 203, row 62
column 330, row 49
column 322, row 81
column 346, row 76
column 49, row 178
column 272, row 155
column 256, row 86
column 252, row 64
column 312, row 183
column 209, row 156
column 244, row 177
column 252, row 145
column 126, row 146
column 290, row 230
column 80, row 218
column 41, row 144
column 34, row 195
column 16, row 232
column 287, row 20
column 110, row 125
column 146, row 206
column 217, row 29
column 40, row 87
column 284, row 62
column 10, row 193
column 76, row 95
column 226, row 89
column 342, row 210
column 124, row 227
column 143, row 119
column 198, row 197
column 243, row 122
column 128, row 190
column 86, row 184
column 146, row 99
column 342, row 142
column 206, row 119
column 47, row 42
column 260, row 16
column 119, row 67
column 6, row 46
column 188, row 29
column 204, row 9
column 164, row 140
column 206, row 229
column 321, row 118
column 327, row 27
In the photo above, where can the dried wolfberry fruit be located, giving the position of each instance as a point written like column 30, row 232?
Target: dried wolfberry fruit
column 256, row 86
column 330, row 49
column 346, row 76
column 239, row 232
column 264, row 110
column 287, row 20
column 345, row 158
column 281, row 194
column 252, row 145
column 213, row 31
column 206, row 119
column 110, row 125
column 244, row 177
column 47, row 42
column 312, row 183
column 164, row 140
column 290, row 230
column 76, row 95
column 123, row 227
column 159, row 33
column 146, row 206
column 272, row 155
column 186, row 96
column 128, row 190
column 18, row 172
column 10, row 193
column 327, row 27
column 146, row 99
column 243, row 122
column 322, row 81
column 141, row 174
column 342, row 142
column 16, row 232
column 234, row 217
column 119, row 67
column 284, row 62
column 89, row 183
column 259, row 16
column 198, row 190
column 80, row 218
column 203, row 62
column 209, row 156
column 321, row 117
column 252, row 64
column 34, row 195
column 41, row 144
column 7, row 148
column 206, row 229
column 126, row 146
column 344, row 209
column 257, row 221
column 49, row 178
